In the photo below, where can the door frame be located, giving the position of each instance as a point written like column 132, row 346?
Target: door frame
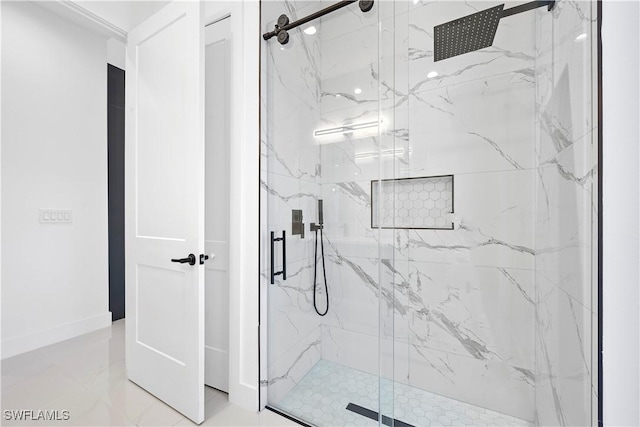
column 244, row 179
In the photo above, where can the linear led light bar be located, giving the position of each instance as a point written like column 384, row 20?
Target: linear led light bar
column 345, row 128
column 372, row 154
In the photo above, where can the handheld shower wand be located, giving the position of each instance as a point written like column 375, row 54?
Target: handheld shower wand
column 315, row 228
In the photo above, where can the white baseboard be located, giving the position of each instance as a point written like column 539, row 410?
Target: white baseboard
column 245, row 396
column 14, row 346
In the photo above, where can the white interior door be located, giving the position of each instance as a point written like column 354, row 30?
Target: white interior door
column 165, row 206
column 217, row 136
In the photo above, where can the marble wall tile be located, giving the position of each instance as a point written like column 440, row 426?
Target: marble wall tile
column 495, row 219
column 290, row 313
column 487, row 313
column 485, row 383
column 350, row 19
column 565, row 215
column 353, row 294
column 295, row 65
column 391, row 358
column 564, row 402
column 350, row 157
column 285, row 194
column 565, row 364
column 478, row 126
column 285, row 372
column 567, row 16
column 564, row 76
column 347, row 208
column 288, row 146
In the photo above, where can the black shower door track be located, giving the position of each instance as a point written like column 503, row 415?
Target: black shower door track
column 364, row 6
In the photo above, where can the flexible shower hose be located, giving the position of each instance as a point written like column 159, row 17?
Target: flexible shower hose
column 315, row 272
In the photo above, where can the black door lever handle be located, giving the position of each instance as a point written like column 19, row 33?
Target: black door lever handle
column 191, row 259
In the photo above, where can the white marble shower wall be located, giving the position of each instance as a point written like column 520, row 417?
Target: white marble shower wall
column 498, row 312
column 290, row 179
column 566, row 217
column 457, row 307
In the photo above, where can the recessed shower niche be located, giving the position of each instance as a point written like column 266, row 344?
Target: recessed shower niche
column 413, row 203
column 488, row 321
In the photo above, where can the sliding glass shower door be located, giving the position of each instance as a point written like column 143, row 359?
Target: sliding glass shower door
column 428, row 206
column 324, row 132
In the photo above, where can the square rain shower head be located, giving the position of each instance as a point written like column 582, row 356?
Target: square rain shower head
column 466, row 34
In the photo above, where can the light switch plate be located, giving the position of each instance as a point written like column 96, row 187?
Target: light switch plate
column 56, row 216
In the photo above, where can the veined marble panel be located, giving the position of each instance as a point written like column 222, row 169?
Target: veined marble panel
column 291, row 315
column 565, row 19
column 366, row 353
column 364, row 67
column 487, row 313
column 564, row 100
column 347, row 211
column 495, row 219
column 351, row 157
column 487, row 383
column 564, row 358
column 363, row 157
column 495, row 213
column 285, row 372
column 288, row 146
column 566, row 325
column 285, row 194
column 478, row 126
column 564, row 225
column 565, row 68
column 350, row 19
column 353, row 294
column 295, row 65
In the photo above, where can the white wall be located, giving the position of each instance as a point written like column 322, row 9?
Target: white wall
column 123, row 14
column 621, row 210
column 54, row 155
column 116, row 53
column 621, row 213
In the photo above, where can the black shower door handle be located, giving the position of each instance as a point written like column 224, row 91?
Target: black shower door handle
column 282, row 272
column 191, row 259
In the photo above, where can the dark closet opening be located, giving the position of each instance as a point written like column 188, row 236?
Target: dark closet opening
column 115, row 144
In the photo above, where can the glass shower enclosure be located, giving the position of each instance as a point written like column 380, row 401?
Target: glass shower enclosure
column 428, row 213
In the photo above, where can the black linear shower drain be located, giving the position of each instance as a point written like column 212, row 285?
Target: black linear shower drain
column 361, row 410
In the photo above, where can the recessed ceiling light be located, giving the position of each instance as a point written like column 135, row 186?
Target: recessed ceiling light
column 432, row 74
column 581, row 37
column 357, row 91
column 310, row 30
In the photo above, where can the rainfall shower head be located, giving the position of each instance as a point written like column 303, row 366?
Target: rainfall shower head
column 475, row 31
column 466, row 34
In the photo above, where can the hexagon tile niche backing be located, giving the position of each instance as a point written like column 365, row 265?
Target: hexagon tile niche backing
column 424, row 203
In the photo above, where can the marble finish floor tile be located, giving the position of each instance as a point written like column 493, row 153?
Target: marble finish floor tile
column 86, row 376
column 322, row 396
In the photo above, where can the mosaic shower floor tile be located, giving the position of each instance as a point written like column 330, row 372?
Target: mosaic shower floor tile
column 322, row 396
